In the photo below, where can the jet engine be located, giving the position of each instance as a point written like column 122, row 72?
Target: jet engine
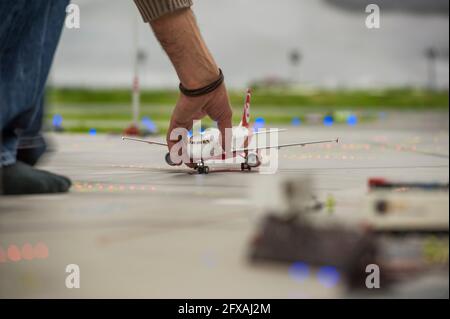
column 253, row 160
column 169, row 160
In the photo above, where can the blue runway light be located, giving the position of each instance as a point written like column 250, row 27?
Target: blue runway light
column 149, row 125
column 328, row 120
column 259, row 124
column 200, row 131
column 57, row 120
column 296, row 121
column 299, row 271
column 352, row 120
column 92, row 131
column 328, row 276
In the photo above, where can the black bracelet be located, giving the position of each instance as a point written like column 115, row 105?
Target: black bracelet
column 204, row 90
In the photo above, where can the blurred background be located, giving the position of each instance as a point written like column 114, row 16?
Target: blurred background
column 302, row 54
column 256, row 40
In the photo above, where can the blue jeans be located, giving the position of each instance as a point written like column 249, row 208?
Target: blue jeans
column 29, row 35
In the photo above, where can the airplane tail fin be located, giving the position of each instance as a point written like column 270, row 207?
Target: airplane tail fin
column 245, row 122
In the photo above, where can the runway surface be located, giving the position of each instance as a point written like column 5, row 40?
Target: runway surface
column 138, row 228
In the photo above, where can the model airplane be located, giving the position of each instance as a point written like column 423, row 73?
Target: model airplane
column 207, row 146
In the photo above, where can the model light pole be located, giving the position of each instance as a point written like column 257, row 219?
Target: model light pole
column 431, row 54
column 295, row 58
column 139, row 59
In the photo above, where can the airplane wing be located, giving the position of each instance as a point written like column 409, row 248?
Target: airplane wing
column 285, row 145
column 269, row 131
column 143, row 141
column 165, row 144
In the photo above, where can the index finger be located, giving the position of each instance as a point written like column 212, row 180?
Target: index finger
column 224, row 123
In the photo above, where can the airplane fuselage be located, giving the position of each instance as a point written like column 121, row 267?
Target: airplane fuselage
column 207, row 145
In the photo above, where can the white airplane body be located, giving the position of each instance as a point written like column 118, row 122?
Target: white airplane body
column 207, row 146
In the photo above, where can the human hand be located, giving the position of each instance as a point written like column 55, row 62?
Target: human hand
column 188, row 109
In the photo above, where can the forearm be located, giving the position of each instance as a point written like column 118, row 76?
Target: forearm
column 154, row 9
column 180, row 37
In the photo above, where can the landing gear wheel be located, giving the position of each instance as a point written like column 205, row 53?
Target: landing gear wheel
column 245, row 166
column 203, row 170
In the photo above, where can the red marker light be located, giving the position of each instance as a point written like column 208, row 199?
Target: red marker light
column 41, row 251
column 27, row 251
column 14, row 253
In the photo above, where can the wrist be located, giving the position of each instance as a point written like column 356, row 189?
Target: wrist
column 196, row 83
column 204, row 90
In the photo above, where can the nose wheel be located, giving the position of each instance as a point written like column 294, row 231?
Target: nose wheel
column 245, row 167
column 201, row 168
